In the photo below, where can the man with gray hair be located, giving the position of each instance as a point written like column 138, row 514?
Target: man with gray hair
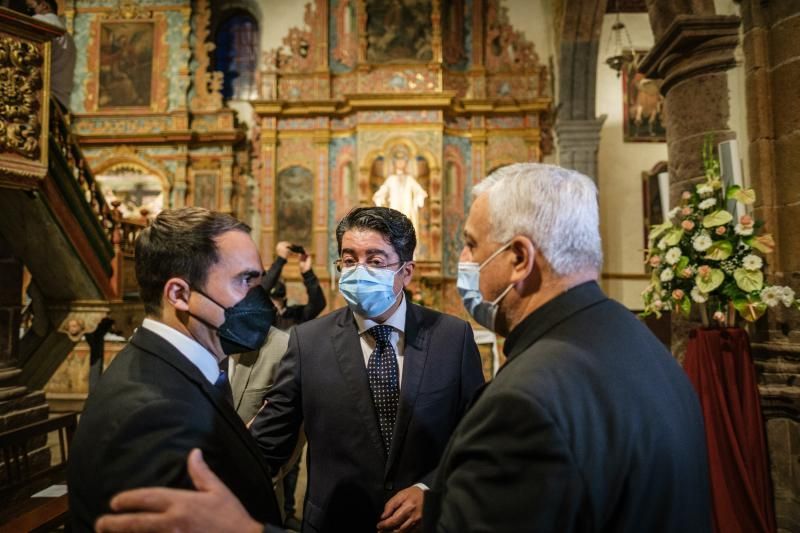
column 590, row 426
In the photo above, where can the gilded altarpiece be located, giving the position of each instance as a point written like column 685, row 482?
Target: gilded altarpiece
column 145, row 96
column 462, row 94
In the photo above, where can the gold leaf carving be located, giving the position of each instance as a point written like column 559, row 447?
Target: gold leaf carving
column 20, row 85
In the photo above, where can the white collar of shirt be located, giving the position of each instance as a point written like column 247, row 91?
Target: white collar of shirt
column 190, row 348
column 397, row 319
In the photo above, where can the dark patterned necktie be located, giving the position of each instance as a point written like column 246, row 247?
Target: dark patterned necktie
column 223, row 385
column 384, row 383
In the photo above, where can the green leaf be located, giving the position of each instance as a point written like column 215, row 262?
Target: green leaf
column 749, row 310
column 673, row 237
column 717, row 218
column 746, row 196
column 719, row 251
column 714, row 280
column 683, row 262
column 685, row 306
column 657, row 230
column 733, row 189
column 749, row 280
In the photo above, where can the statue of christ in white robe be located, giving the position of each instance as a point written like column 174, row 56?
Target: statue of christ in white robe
column 402, row 192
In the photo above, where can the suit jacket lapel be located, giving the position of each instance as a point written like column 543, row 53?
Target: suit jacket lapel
column 242, row 370
column 155, row 345
column 415, row 355
column 347, row 345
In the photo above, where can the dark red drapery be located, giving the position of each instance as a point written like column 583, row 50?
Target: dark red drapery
column 720, row 366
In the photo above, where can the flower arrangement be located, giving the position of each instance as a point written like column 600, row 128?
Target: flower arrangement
column 702, row 254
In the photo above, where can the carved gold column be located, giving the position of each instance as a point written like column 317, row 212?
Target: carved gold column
column 480, row 139
column 226, row 165
column 321, row 142
column 266, row 181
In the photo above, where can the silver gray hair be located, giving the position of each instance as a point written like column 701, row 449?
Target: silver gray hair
column 554, row 207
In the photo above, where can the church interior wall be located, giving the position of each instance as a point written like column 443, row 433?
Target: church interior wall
column 620, row 167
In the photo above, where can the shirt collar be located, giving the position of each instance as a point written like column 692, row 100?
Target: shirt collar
column 190, row 348
column 397, row 319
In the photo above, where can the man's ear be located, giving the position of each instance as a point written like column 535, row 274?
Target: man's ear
column 176, row 294
column 408, row 272
column 523, row 257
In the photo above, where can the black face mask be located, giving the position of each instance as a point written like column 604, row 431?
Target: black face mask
column 246, row 324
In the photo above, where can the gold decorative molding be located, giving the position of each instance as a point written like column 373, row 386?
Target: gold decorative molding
column 127, row 10
column 21, row 81
column 207, row 85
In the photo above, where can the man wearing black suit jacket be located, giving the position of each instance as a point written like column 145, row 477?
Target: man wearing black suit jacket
column 591, row 425
column 164, row 394
column 368, row 454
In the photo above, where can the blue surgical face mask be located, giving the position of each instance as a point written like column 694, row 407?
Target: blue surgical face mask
column 468, row 285
column 368, row 291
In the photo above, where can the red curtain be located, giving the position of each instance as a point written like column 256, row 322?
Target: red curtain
column 719, row 364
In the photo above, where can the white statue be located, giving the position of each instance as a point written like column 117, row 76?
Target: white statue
column 401, row 191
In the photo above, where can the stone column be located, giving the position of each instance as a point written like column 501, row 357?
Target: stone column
column 578, row 141
column 772, row 66
column 692, row 57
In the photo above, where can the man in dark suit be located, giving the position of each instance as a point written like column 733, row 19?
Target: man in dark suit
column 164, row 394
column 590, row 425
column 379, row 384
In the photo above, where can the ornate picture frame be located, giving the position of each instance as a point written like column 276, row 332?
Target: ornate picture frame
column 642, row 104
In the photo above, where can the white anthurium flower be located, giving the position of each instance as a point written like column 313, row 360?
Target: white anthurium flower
column 702, row 242
column 708, row 203
column 787, row 296
column 662, row 244
column 744, row 231
column 673, row 255
column 666, row 275
column 699, row 296
column 771, row 296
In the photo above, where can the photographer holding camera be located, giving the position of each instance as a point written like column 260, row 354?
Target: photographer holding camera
column 289, row 315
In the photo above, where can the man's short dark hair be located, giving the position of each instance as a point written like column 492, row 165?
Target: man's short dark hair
column 180, row 243
column 393, row 225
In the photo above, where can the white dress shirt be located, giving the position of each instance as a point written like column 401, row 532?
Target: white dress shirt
column 190, row 348
column 398, row 337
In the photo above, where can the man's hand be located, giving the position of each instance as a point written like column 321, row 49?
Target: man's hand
column 211, row 508
column 282, row 249
column 403, row 512
column 305, row 263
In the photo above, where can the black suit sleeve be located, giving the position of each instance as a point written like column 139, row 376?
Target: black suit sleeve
column 276, row 426
column 471, row 369
column 271, row 276
column 471, row 380
column 507, row 465
column 316, row 301
column 151, row 446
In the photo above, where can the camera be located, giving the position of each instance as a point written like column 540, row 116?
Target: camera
column 296, row 248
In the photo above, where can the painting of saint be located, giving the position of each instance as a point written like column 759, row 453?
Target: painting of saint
column 399, row 31
column 643, row 105
column 126, row 64
column 294, row 209
column 401, row 190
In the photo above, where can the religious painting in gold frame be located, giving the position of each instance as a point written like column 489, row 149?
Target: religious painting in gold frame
column 126, row 64
column 295, row 202
column 642, row 103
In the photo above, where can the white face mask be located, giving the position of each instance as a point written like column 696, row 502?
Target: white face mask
column 468, row 285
